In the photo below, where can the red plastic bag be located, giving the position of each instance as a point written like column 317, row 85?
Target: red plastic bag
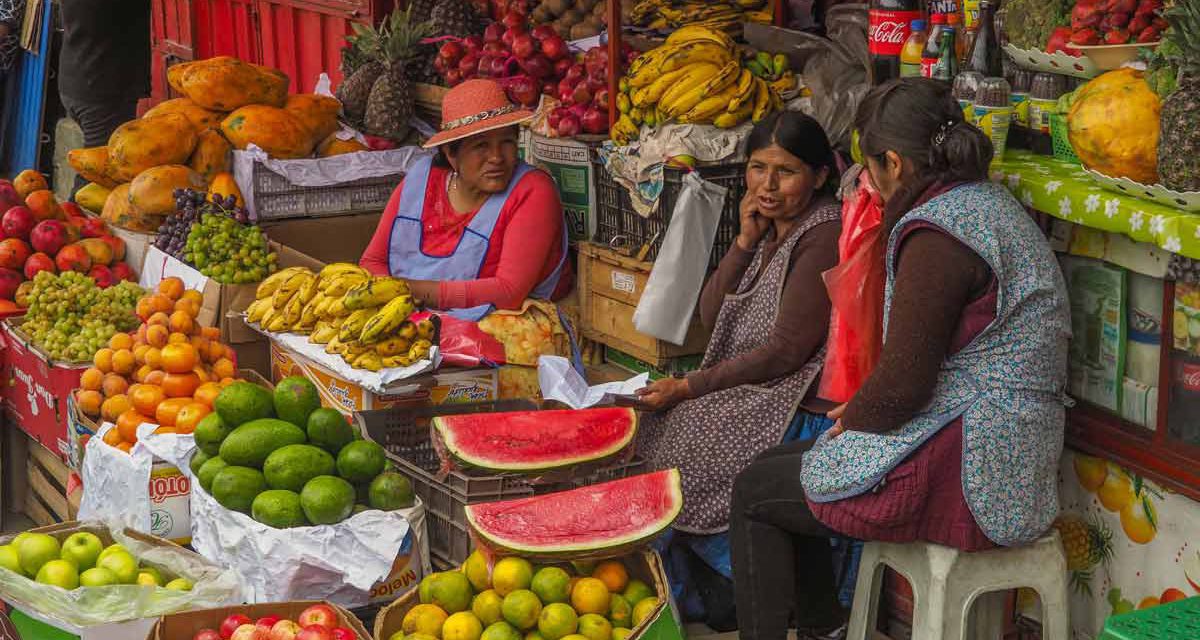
column 855, row 289
column 463, row 344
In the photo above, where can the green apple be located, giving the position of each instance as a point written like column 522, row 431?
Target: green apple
column 153, row 571
column 109, row 550
column 123, row 565
column 147, row 579
column 97, row 577
column 83, row 549
column 36, row 550
column 16, row 541
column 180, row 584
column 9, row 559
column 60, row 573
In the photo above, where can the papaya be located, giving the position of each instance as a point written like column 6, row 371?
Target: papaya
column 92, row 197
column 225, row 83
column 224, row 185
column 152, row 192
column 200, row 117
column 92, row 164
column 118, row 212
column 318, row 113
column 276, row 131
column 1114, row 126
column 332, row 146
column 211, row 155
column 175, row 75
column 150, row 142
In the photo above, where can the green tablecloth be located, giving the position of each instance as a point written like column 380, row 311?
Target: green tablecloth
column 1066, row 191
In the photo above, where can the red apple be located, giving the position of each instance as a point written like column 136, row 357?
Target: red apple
column 230, row 624
column 582, row 95
column 468, row 64
column 555, row 117
column 495, row 48
column 513, row 19
column 248, row 632
column 595, row 121
column 484, row 69
column 493, row 32
column 207, row 634
column 41, row 262
column 284, row 630
column 511, row 35
column 342, row 633
column 574, row 74
column 18, row 221
column 315, row 632
column 555, row 48
column 601, row 99
column 561, row 67
column 537, row 66
column 71, row 210
column 266, row 622
column 524, row 46
column 568, row 126
column 321, row 614
column 543, row 31
column 102, row 276
column 10, row 281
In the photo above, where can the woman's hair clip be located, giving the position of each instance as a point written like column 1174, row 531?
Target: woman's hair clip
column 939, row 138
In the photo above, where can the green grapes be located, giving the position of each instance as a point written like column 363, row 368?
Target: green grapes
column 229, row 252
column 70, row 318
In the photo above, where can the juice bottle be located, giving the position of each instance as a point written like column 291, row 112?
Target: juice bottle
column 910, row 55
column 929, row 56
column 954, row 23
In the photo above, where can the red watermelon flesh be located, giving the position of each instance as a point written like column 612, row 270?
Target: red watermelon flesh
column 526, row 441
column 612, row 515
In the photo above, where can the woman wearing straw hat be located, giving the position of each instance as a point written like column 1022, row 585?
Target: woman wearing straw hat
column 473, row 228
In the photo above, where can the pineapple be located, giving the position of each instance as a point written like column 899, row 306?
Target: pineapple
column 361, row 67
column 422, row 10
column 390, row 103
column 1179, row 141
column 456, row 18
column 1087, row 544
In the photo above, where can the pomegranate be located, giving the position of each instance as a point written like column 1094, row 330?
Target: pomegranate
column 451, row 50
column 13, row 253
column 596, row 62
column 18, row 221
column 596, row 83
column 575, row 73
column 537, row 66
column 595, row 121
column 9, row 281
column 49, row 236
column 568, row 126
column 93, row 228
column 9, row 197
column 71, row 209
column 523, row 90
column 601, row 99
column 582, row 95
column 524, row 46
column 102, row 276
column 555, row 48
column 37, row 263
column 493, row 32
column 555, row 116
column 562, row 66
column 513, row 19
column 73, row 258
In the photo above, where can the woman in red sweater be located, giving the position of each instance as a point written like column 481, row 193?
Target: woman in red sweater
column 474, row 228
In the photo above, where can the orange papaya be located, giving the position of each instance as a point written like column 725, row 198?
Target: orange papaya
column 277, row 131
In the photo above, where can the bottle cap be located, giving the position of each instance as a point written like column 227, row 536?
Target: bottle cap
column 939, row 18
column 918, row 25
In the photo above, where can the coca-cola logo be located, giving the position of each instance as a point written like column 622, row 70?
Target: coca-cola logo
column 1189, row 377
column 889, row 32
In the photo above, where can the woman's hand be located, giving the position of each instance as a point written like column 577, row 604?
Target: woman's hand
column 661, row 395
column 753, row 225
column 836, row 414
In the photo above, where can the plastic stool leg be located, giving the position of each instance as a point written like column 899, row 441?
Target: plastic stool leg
column 864, row 613
column 1056, row 612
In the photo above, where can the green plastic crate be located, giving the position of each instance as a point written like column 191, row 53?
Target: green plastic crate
column 1174, row 621
column 1058, row 137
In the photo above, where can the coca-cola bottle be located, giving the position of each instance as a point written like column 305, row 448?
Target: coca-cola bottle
column 1183, row 413
column 890, row 26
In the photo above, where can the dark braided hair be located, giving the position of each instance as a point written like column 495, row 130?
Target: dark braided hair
column 920, row 120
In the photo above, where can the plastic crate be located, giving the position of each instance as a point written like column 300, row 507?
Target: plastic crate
column 275, row 198
column 1058, row 135
column 1174, row 621
column 404, row 434
column 619, row 225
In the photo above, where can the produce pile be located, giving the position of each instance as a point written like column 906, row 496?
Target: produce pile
column 583, row 94
column 167, row 371
column 665, row 15
column 1049, row 26
column 574, row 20
column 288, row 462
column 698, row 76
column 362, row 318
column 513, row 601
column 380, row 65
column 318, row 622
column 211, row 232
column 81, row 561
column 186, row 143
column 69, row 317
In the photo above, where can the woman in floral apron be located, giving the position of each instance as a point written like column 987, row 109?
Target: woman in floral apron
column 769, row 313
column 955, row 436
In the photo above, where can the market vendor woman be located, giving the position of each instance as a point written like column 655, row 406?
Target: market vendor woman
column 473, row 228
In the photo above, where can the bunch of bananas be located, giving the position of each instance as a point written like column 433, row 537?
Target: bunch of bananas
column 695, row 77
column 360, row 317
column 726, row 16
column 774, row 70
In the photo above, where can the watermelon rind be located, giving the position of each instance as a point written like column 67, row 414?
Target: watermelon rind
column 599, row 545
column 444, row 428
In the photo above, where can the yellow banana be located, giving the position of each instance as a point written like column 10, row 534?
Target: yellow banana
column 785, row 83
column 681, row 105
column 323, row 333
column 426, row 329
column 331, row 272
column 278, row 323
column 654, row 92
column 343, row 283
column 387, row 319
column 290, row 287
column 709, row 108
column 697, row 75
column 745, row 90
column 401, row 360
column 255, row 311
column 268, row 286
column 419, row 350
column 335, row 347
column 691, row 33
column 731, row 119
column 696, row 52
column 265, row 318
column 308, row 290
column 352, row 328
column 369, row 361
column 293, row 311
column 308, row 316
column 337, row 309
column 393, row 346
column 374, row 292
column 762, row 100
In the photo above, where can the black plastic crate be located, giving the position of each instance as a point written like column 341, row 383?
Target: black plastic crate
column 619, row 225
column 404, row 434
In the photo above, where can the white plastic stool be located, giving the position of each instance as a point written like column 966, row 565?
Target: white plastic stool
column 946, row 582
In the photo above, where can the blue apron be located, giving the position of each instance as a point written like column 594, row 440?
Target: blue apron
column 406, row 259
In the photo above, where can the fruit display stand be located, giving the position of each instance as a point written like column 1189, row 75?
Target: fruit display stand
column 39, row 484
column 116, row 611
column 188, row 624
column 661, row 624
column 405, row 434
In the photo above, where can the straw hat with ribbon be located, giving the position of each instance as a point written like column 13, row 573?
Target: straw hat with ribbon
column 473, row 107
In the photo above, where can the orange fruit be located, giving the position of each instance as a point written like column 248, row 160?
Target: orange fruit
column 200, row 344
column 159, row 319
column 125, row 446
column 223, row 368
column 171, row 287
column 153, row 357
column 89, row 402
column 202, row 374
column 146, row 398
column 207, row 393
column 187, row 307
column 112, row 437
column 123, row 362
column 142, row 372
column 91, row 379
column 156, row 336
column 114, row 407
column 178, row 358
column 139, row 353
column 181, row 322
column 168, row 411
column 128, row 423
column 144, row 309
column 120, row 341
column 155, row 377
column 190, row 416
column 180, row 385
column 214, row 352
column 114, row 385
column 103, row 360
column 178, row 338
column 166, row 430
column 140, row 337
column 613, row 574
column 212, row 333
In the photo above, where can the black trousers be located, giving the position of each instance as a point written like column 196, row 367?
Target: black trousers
column 782, row 562
column 98, row 119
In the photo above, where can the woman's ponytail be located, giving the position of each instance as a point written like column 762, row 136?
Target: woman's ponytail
column 960, row 151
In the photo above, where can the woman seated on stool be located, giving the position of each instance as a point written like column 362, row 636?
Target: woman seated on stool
column 955, row 436
column 474, row 228
column 768, row 311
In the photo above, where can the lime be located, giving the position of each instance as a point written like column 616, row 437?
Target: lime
column 390, row 491
column 487, row 607
column 462, row 626
column 637, row 591
column 594, row 627
column 501, row 631
column 476, row 570
column 557, row 621
column 295, row 399
column 619, row 611
column 521, row 609
column 424, row 618
column 511, row 574
column 551, row 584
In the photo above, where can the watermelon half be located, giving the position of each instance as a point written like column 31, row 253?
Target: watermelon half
column 615, row 515
column 528, row 441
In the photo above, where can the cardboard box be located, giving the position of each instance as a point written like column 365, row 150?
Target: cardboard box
column 447, row 386
column 332, row 239
column 663, row 624
column 35, row 388
column 569, row 162
column 182, row 626
column 137, row 245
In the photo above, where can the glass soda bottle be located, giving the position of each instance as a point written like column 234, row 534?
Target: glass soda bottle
column 933, row 43
column 914, row 47
column 946, row 66
column 888, row 27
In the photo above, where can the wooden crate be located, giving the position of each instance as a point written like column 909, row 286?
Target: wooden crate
column 610, row 285
column 40, row 484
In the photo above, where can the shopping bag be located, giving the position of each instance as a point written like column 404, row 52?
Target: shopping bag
column 669, row 300
column 855, row 289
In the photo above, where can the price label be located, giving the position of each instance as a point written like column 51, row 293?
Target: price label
column 624, row 282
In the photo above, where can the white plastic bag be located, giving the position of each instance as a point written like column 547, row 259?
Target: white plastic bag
column 666, row 307
column 116, row 485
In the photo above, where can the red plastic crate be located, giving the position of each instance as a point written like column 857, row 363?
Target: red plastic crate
column 35, row 389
